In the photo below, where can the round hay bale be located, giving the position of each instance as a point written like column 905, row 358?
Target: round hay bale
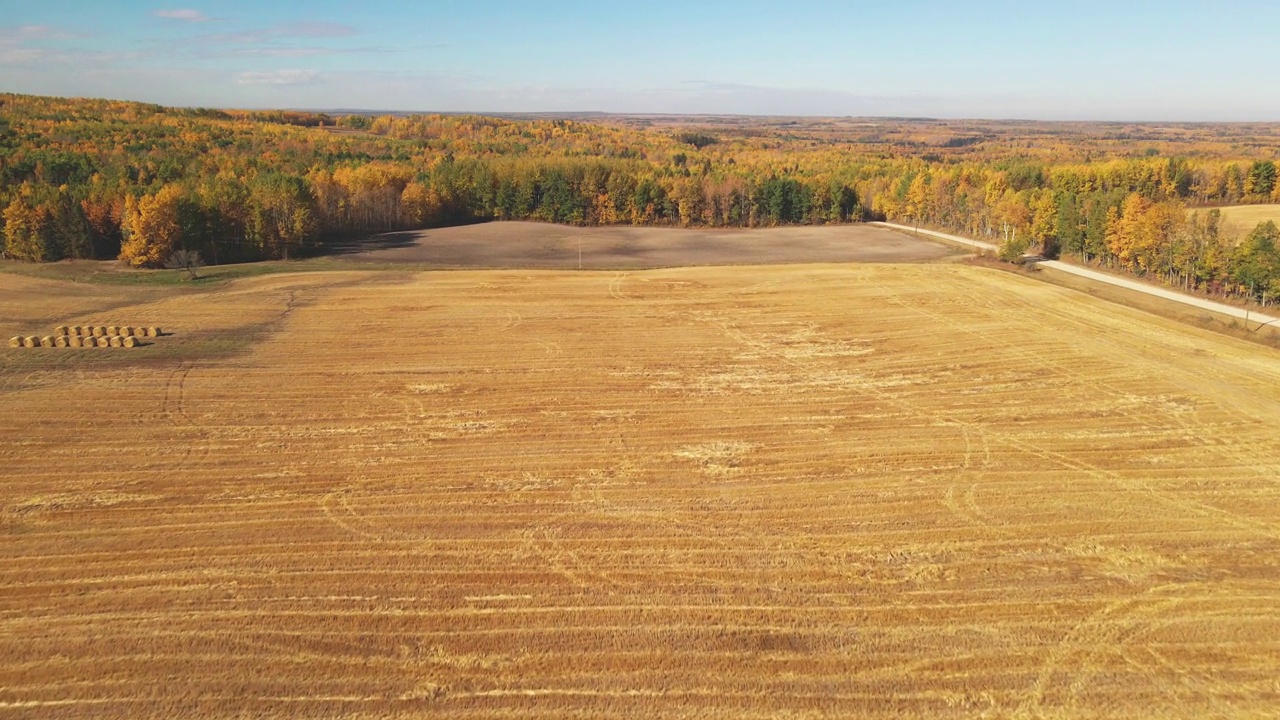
column 15, row 341
column 153, row 331
column 116, row 341
column 103, row 342
column 113, row 330
column 61, row 341
column 60, row 330
column 131, row 342
column 46, row 341
column 126, row 331
column 75, row 331
column 74, row 341
column 99, row 331
column 31, row 341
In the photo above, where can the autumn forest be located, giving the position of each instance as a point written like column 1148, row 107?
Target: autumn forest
column 98, row 179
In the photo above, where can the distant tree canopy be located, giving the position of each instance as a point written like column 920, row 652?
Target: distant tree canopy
column 108, row 179
column 1257, row 261
column 1261, row 181
column 698, row 140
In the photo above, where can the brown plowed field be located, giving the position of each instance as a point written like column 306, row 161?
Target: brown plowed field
column 923, row 491
column 540, row 245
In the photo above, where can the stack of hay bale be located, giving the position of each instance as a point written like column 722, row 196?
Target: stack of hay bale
column 88, row 336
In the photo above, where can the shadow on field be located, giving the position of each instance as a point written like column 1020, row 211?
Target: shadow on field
column 386, row 241
column 546, row 246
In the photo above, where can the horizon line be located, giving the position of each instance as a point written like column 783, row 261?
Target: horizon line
column 656, row 114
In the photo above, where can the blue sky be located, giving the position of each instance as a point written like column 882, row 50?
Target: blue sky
column 1118, row 60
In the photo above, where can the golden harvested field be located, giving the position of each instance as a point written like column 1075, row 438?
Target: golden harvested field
column 922, row 491
column 1240, row 220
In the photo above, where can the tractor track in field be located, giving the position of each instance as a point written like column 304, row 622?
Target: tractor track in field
column 856, row 491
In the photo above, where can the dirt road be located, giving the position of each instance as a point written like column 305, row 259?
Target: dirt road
column 1229, row 310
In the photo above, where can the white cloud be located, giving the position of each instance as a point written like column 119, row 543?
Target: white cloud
column 32, row 32
column 185, row 15
column 291, row 31
column 16, row 43
column 278, row 77
column 29, row 33
column 45, row 46
column 19, row 55
column 316, row 30
column 280, row 52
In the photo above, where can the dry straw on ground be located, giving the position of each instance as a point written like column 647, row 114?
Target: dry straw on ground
column 867, row 491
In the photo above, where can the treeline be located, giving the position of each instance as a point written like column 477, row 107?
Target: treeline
column 106, row 179
column 1130, row 215
column 270, row 214
column 137, row 182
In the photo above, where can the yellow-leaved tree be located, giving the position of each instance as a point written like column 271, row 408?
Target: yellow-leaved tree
column 419, row 205
column 152, row 228
column 27, row 231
